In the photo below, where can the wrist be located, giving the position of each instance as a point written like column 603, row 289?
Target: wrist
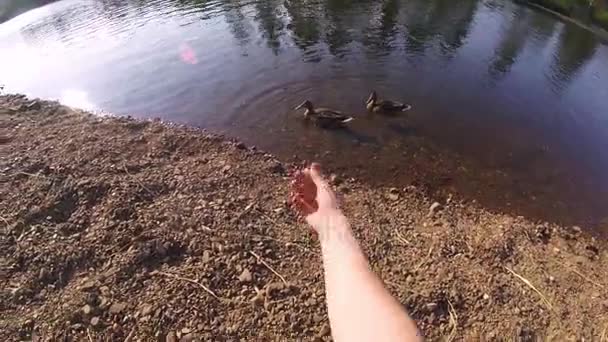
column 333, row 226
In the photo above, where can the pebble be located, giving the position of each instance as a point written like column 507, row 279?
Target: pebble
column 434, row 208
column 117, row 308
column 245, row 276
column 324, row 331
column 206, row 256
column 171, row 337
column 486, row 296
column 87, row 309
column 146, row 310
column 95, row 321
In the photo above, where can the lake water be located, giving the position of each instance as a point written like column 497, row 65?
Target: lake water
column 510, row 105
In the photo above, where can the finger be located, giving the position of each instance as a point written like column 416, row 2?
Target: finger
column 316, row 175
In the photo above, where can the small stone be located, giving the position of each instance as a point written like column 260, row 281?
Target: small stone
column 34, row 105
column 486, row 296
column 551, row 279
column 431, row 306
column 171, row 337
column 87, row 285
column 577, row 229
column 117, row 307
column 188, row 338
column 409, row 279
column 226, row 168
column 43, row 274
column 146, row 310
column 245, row 276
column 393, row 197
column 186, row 331
column 87, row 309
column 95, row 321
column 240, row 146
column 434, row 208
column 324, row 331
column 317, row 318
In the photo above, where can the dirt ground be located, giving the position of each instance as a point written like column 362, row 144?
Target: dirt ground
column 125, row 230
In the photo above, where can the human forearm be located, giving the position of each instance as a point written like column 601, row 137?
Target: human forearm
column 360, row 308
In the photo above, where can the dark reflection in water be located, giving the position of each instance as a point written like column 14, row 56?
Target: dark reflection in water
column 509, row 104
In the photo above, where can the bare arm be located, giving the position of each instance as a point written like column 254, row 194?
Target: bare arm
column 360, row 307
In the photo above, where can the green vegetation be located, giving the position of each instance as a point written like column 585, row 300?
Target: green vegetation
column 600, row 17
column 585, row 10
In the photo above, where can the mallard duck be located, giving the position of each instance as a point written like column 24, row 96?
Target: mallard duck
column 324, row 117
column 385, row 106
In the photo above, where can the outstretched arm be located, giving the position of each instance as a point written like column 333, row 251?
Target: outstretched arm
column 360, row 307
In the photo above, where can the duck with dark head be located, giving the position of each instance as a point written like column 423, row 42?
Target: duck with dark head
column 376, row 105
column 324, row 117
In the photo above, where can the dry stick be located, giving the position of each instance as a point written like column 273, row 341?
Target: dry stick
column 453, row 321
column 89, row 335
column 124, row 166
column 583, row 276
column 401, row 238
column 247, row 209
column 269, row 267
column 175, row 276
column 527, row 282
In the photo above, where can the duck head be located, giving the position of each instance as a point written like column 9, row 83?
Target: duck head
column 310, row 109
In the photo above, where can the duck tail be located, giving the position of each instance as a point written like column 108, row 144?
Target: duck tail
column 406, row 107
column 347, row 120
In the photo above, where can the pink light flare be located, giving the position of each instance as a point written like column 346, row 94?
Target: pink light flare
column 187, row 54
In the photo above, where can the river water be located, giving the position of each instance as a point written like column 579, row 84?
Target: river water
column 510, row 105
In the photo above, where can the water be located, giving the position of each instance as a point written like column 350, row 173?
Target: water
column 509, row 104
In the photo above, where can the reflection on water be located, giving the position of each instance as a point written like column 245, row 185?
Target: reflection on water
column 509, row 103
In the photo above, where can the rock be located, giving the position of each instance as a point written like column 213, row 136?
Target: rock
column 171, row 337
column 433, row 208
column 226, row 168
column 393, row 194
column 335, row 179
column 245, row 276
column 317, row 318
column 43, row 274
column 34, row 105
column 240, row 146
column 186, row 331
column 87, row 309
column 95, row 321
column 188, row 338
column 324, row 331
column 88, row 285
column 431, row 306
column 277, row 167
column 146, row 310
column 206, row 256
column 117, row 307
column 486, row 296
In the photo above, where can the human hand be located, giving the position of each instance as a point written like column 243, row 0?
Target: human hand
column 314, row 199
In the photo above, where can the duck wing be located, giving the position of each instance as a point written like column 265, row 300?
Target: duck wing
column 333, row 115
column 389, row 105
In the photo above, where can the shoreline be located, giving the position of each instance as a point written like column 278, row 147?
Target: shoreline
column 113, row 226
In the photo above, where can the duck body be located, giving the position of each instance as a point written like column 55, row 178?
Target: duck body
column 376, row 105
column 325, row 117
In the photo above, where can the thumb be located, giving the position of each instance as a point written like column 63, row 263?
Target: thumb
column 316, row 175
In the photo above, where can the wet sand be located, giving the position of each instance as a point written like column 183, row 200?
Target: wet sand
column 120, row 229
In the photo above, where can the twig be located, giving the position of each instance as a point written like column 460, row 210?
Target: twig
column 527, row 282
column 603, row 335
column 401, row 239
column 6, row 223
column 583, row 276
column 453, row 321
column 131, row 334
column 246, row 210
column 269, row 267
column 428, row 255
column 175, row 276
column 124, row 166
column 89, row 335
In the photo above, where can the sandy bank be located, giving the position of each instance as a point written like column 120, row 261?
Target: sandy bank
column 118, row 229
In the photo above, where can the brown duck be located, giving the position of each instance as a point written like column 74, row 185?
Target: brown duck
column 375, row 105
column 324, row 117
